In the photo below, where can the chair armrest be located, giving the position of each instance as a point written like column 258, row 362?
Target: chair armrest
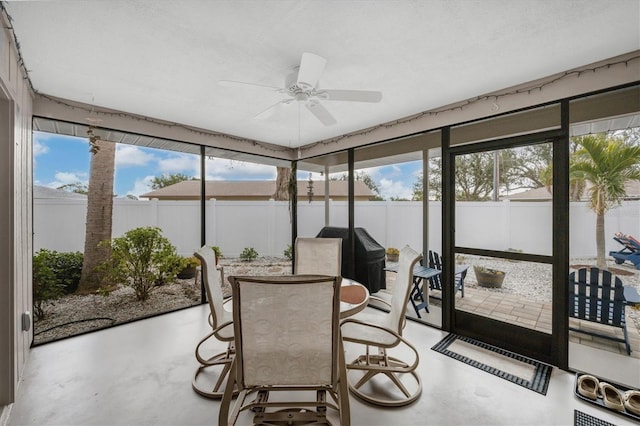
column 367, row 324
column 398, row 339
column 214, row 333
column 378, row 299
column 221, row 326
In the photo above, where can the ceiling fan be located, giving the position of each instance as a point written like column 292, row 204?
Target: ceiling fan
column 302, row 86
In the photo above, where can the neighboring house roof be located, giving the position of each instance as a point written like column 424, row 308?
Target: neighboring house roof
column 46, row 192
column 256, row 190
column 538, row 194
column 544, row 193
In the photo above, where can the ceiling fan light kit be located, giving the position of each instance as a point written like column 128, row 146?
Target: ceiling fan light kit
column 302, row 86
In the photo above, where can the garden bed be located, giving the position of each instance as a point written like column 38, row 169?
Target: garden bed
column 76, row 314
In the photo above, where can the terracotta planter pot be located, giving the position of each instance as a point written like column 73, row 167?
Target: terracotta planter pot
column 488, row 278
column 392, row 257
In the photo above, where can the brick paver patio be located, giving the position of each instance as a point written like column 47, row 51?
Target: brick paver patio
column 518, row 310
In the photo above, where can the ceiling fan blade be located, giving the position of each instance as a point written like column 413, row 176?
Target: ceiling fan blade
column 350, row 95
column 231, row 83
column 321, row 113
column 311, row 68
column 268, row 112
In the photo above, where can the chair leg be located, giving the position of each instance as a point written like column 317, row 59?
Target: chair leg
column 225, row 404
column 221, row 361
column 626, row 340
column 343, row 388
column 417, row 293
column 217, row 361
column 393, row 369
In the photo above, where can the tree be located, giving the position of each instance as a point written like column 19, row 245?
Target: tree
column 99, row 212
column 77, row 187
column 520, row 168
column 418, row 189
column 606, row 164
column 282, row 184
column 435, row 182
column 169, row 179
column 474, row 178
column 368, row 180
column 576, row 185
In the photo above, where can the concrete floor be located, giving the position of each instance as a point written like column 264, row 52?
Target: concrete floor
column 140, row 373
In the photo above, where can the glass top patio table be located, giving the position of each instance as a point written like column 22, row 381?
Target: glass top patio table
column 354, row 297
column 631, row 296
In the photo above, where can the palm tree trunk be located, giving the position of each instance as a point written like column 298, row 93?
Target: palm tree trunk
column 99, row 213
column 601, row 260
column 282, row 184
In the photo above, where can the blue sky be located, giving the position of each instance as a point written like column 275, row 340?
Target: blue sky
column 60, row 160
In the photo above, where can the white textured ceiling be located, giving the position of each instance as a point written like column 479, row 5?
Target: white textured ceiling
column 163, row 59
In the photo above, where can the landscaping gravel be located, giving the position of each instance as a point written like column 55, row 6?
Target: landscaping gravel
column 533, row 280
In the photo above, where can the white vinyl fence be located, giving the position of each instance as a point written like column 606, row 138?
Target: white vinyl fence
column 59, row 224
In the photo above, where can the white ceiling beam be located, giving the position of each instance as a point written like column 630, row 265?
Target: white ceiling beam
column 85, row 114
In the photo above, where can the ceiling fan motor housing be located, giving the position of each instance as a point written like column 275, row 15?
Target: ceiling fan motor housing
column 293, row 88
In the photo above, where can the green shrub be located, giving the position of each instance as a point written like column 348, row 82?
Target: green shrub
column 67, row 267
column 248, row 254
column 142, row 258
column 190, row 262
column 288, row 252
column 217, row 251
column 46, row 285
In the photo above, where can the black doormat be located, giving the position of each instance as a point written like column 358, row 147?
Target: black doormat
column 518, row 369
column 584, row 419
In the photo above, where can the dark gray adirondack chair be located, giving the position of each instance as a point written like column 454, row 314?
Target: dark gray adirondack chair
column 435, row 283
column 598, row 296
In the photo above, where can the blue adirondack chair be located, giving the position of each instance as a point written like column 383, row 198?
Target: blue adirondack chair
column 435, row 283
column 630, row 250
column 598, row 296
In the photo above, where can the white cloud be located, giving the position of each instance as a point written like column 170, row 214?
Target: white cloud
column 69, row 177
column 65, row 178
column 374, row 173
column 188, row 164
column 39, row 148
column 390, row 188
column 41, row 137
column 129, row 155
column 141, row 186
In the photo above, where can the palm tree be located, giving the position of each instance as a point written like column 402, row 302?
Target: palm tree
column 606, row 163
column 99, row 212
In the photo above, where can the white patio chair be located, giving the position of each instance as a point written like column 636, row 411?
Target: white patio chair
column 318, row 256
column 213, row 368
column 381, row 330
column 287, row 340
